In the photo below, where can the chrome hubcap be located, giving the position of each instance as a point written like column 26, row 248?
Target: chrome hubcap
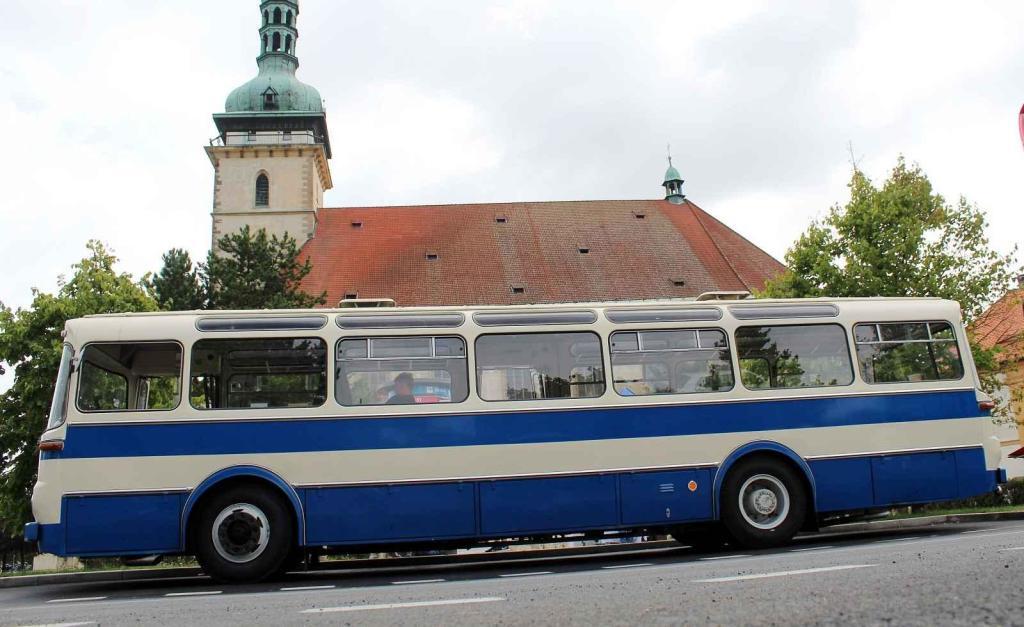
column 241, row 532
column 764, row 501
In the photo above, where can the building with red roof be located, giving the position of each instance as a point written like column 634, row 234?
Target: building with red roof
column 271, row 161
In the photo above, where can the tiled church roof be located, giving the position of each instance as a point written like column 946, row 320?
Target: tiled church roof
column 530, row 252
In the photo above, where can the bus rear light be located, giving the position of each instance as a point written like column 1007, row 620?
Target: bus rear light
column 52, row 446
column 986, row 405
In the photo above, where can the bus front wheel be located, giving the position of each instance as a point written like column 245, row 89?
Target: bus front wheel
column 763, row 503
column 243, row 534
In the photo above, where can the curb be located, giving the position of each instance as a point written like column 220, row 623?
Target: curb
column 98, row 576
column 922, row 521
column 143, row 574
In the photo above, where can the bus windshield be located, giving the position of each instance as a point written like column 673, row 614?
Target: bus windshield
column 58, row 408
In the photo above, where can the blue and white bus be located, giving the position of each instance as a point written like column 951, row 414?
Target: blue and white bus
column 251, row 438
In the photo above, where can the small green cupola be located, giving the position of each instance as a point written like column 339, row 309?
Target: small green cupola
column 276, row 88
column 276, row 107
column 673, row 184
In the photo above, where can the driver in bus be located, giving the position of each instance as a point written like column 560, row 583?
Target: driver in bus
column 403, row 390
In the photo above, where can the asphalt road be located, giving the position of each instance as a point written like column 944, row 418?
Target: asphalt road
column 953, row 574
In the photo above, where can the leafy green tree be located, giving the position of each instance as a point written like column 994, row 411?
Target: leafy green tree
column 179, row 284
column 30, row 344
column 900, row 239
column 252, row 271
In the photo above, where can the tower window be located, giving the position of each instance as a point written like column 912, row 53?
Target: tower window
column 288, row 44
column 289, row 18
column 277, row 16
column 262, row 191
column 266, row 42
column 266, row 17
column 270, row 102
column 277, row 42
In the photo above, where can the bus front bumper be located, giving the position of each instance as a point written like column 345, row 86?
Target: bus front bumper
column 49, row 538
column 32, row 532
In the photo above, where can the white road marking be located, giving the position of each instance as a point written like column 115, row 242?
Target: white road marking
column 78, row 600
column 624, row 566
column 784, row 573
column 541, row 572
column 299, row 588
column 1016, row 548
column 65, row 624
column 722, row 557
column 812, row 548
column 199, row 593
column 416, row 581
column 398, row 606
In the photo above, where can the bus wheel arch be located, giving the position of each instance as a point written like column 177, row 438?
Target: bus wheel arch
column 229, row 478
column 770, row 451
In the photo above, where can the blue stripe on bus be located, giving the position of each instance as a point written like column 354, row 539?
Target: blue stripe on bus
column 351, row 433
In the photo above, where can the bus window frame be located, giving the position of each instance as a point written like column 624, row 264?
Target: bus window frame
column 850, row 356
column 728, row 349
column 927, row 323
column 433, row 348
column 236, row 338
column 602, row 348
column 80, row 363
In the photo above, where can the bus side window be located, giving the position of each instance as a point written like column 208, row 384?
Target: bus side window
column 531, row 366
column 794, row 356
column 258, row 373
column 130, row 377
column 686, row 361
column 413, row 370
column 908, row 352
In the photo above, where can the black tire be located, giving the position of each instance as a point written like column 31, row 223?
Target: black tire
column 255, row 534
column 773, row 505
column 703, row 538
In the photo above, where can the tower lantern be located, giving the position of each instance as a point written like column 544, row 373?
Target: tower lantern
column 673, row 184
column 272, row 149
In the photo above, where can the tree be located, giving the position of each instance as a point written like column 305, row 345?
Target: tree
column 30, row 344
column 179, row 285
column 901, row 239
column 252, row 271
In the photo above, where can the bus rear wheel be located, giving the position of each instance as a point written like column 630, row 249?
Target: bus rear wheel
column 764, row 503
column 243, row 534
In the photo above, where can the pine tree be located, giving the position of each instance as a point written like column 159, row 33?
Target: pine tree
column 251, row 271
column 179, row 285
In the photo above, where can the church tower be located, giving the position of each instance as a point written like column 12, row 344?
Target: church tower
column 271, row 155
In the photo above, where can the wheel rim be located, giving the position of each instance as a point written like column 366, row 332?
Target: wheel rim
column 241, row 533
column 764, row 501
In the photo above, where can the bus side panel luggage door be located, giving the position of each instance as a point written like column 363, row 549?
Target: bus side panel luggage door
column 842, row 484
column 914, row 477
column 664, row 497
column 121, row 525
column 536, row 505
column 395, row 512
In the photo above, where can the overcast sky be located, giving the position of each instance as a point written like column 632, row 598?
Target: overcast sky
column 106, row 108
